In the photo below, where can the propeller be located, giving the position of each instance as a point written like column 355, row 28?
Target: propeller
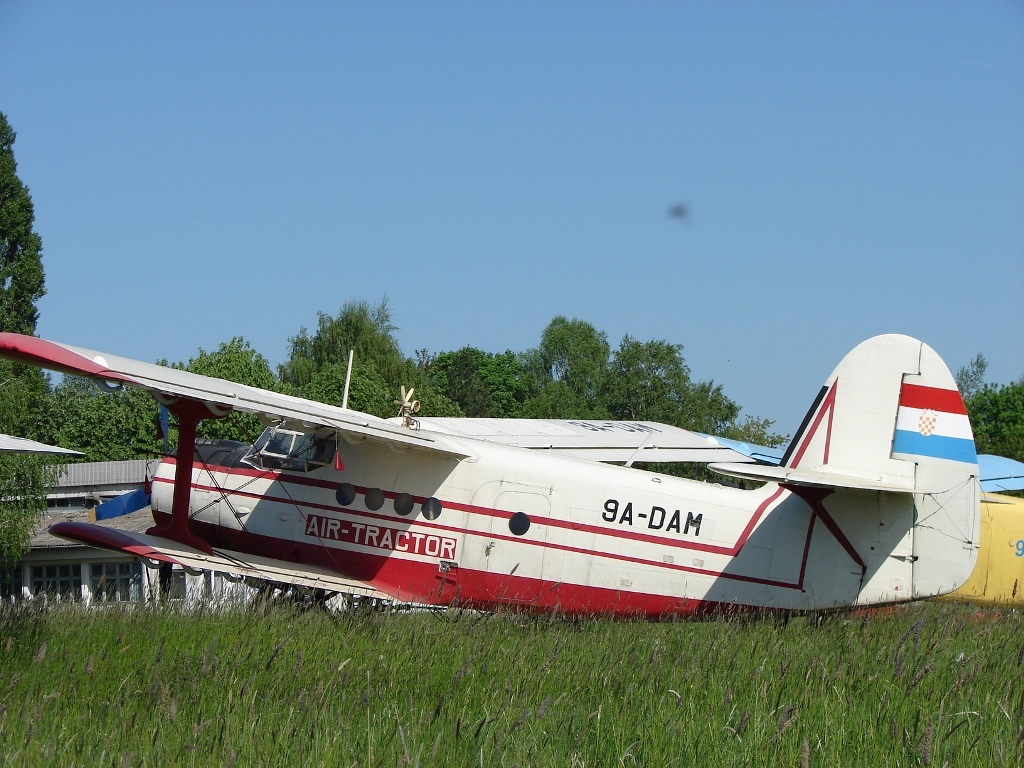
column 407, row 406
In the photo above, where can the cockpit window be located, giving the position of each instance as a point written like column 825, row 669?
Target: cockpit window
column 279, row 448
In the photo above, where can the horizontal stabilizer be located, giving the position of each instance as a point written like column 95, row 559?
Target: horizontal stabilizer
column 759, row 453
column 817, row 478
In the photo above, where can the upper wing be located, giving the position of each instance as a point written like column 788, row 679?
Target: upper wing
column 592, row 440
column 618, row 441
column 220, row 394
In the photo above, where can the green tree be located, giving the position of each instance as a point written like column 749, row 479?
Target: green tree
column 575, row 352
column 997, row 416
column 557, row 400
column 21, row 266
column 105, row 426
column 25, row 402
column 234, row 361
column 366, row 329
column 368, row 392
column 755, row 431
column 24, row 480
column 996, row 411
column 484, row 384
column 24, row 390
column 970, row 378
column 317, row 362
column 567, row 371
column 650, row 381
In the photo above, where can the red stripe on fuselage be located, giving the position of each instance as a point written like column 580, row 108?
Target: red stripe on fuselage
column 945, row 400
column 231, row 539
column 568, row 525
column 416, row 581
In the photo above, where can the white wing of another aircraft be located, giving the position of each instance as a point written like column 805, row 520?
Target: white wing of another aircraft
column 592, row 439
column 10, row 444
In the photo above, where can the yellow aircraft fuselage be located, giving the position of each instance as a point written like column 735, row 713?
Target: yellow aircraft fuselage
column 998, row 576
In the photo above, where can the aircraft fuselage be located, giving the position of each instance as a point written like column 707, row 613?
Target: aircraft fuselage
column 515, row 527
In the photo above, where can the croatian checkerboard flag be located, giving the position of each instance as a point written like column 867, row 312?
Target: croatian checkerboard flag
column 933, row 422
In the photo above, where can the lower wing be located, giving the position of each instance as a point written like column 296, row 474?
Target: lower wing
column 156, row 549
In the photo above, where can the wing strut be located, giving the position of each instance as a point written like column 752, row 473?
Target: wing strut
column 189, row 413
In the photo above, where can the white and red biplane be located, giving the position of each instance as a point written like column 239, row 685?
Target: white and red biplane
column 876, row 500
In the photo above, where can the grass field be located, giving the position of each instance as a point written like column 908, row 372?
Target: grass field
column 929, row 685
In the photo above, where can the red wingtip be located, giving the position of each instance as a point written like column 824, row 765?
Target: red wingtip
column 55, row 357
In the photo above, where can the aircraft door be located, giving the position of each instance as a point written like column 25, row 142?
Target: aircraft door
column 205, row 500
column 212, row 501
column 514, row 557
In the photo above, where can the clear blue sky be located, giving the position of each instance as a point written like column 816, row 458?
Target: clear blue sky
column 202, row 171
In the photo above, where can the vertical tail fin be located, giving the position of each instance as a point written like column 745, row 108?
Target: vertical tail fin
column 890, row 420
column 890, row 407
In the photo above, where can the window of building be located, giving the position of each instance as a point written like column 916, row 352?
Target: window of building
column 10, row 581
column 116, row 582
column 61, row 581
column 172, row 582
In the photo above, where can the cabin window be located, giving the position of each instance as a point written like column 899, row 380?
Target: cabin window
column 519, row 523
column 345, row 494
column 403, row 504
column 288, row 449
column 374, row 499
column 431, row 508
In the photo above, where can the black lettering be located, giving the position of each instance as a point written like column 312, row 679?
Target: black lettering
column 673, row 524
column 627, row 514
column 694, row 521
column 611, row 510
column 657, row 518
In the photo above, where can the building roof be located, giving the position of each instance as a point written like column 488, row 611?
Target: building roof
column 136, row 522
